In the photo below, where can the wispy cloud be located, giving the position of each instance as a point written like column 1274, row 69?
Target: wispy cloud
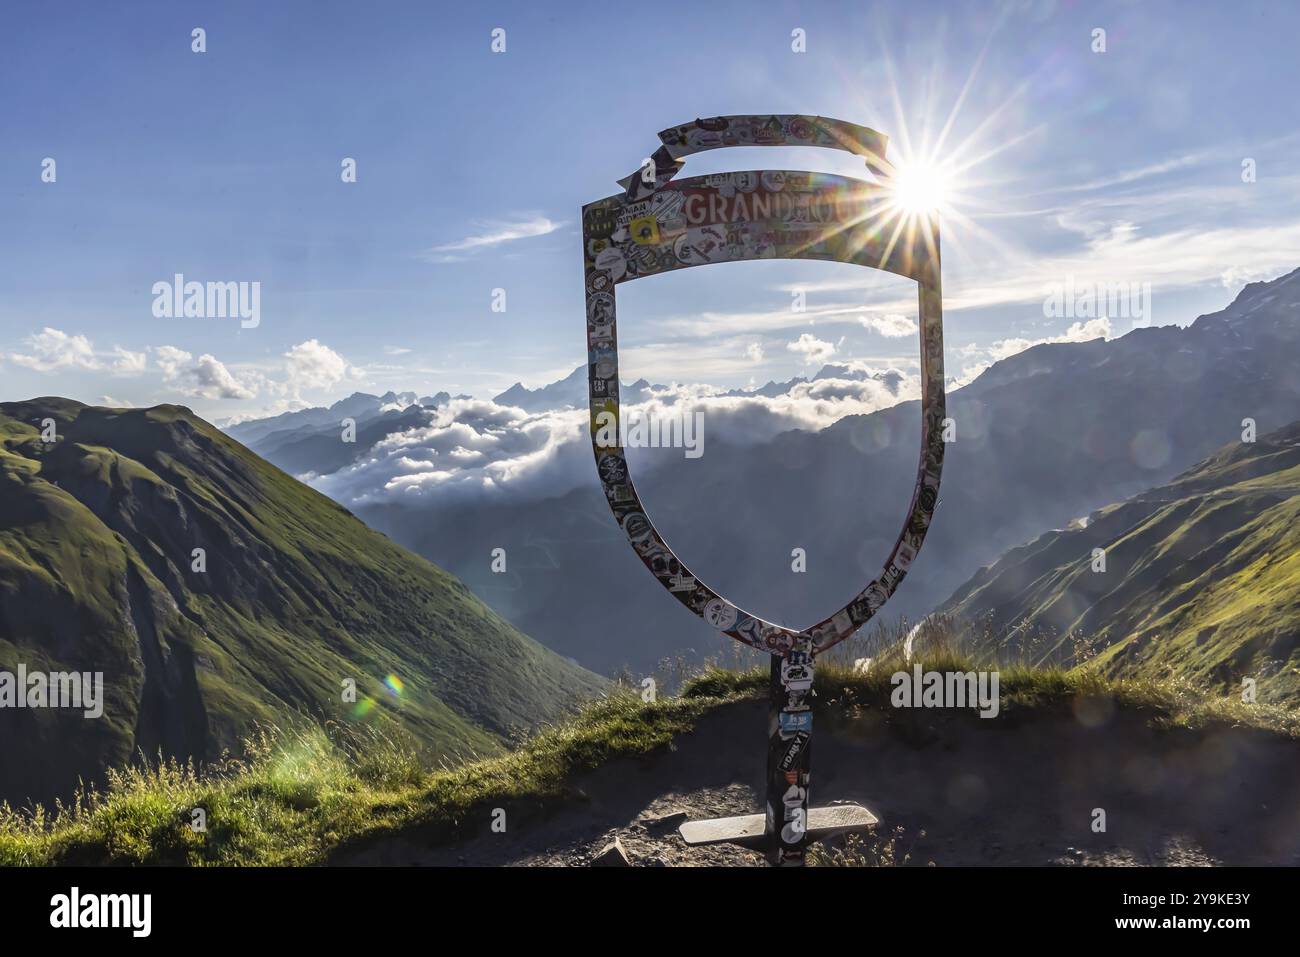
column 1176, row 259
column 53, row 350
column 891, row 325
column 492, row 234
column 1124, row 177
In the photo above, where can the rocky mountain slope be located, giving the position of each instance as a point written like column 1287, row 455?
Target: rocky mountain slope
column 1201, row 577
column 289, row 598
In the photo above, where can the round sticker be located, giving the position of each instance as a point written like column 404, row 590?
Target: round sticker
column 721, row 614
column 613, row 469
column 637, row 527
column 801, row 129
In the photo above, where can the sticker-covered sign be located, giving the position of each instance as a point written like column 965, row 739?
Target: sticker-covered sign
column 661, row 223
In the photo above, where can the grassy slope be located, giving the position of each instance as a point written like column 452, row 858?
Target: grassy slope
column 306, row 799
column 1202, row 577
column 96, row 533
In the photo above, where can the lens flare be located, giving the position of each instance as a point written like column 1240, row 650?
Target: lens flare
column 921, row 188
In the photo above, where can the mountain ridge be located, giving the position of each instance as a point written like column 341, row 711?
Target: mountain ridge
column 294, row 597
column 1201, row 577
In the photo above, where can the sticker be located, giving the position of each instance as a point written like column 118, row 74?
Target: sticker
column 797, row 723
column 644, row 230
column 599, row 221
column 796, row 676
column 721, row 614
column 702, row 140
column 792, row 753
column 600, row 309
column 612, row 261
column 801, row 129
column 876, row 596
column 637, row 527
column 613, row 469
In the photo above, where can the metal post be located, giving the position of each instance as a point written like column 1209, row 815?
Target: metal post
column 788, row 824
column 789, row 756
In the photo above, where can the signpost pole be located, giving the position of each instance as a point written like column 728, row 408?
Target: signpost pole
column 789, row 750
column 789, row 754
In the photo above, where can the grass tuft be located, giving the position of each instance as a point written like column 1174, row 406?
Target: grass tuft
column 308, row 795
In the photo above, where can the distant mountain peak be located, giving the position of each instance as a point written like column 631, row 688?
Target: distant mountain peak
column 1254, row 290
column 1262, row 303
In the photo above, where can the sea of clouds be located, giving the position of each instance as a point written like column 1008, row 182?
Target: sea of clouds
column 479, row 449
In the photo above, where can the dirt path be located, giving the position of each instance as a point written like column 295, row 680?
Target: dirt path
column 1017, row 790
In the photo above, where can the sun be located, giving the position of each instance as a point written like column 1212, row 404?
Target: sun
column 921, row 188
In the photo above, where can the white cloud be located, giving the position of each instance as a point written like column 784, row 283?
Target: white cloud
column 204, row 378
column 313, row 365
column 396, row 351
column 812, row 349
column 494, row 234
column 1238, row 276
column 1125, row 177
column 1163, row 249
column 170, row 359
column 754, row 351
column 127, row 363
column 212, row 380
column 1078, row 332
column 969, row 374
column 891, row 325
column 53, row 350
column 474, row 448
column 710, row 325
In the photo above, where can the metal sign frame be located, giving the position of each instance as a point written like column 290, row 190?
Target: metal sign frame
column 660, row 223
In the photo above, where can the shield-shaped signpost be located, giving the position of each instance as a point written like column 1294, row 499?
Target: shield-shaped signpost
column 660, row 223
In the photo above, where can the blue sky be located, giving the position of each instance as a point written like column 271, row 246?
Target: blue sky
column 1122, row 166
